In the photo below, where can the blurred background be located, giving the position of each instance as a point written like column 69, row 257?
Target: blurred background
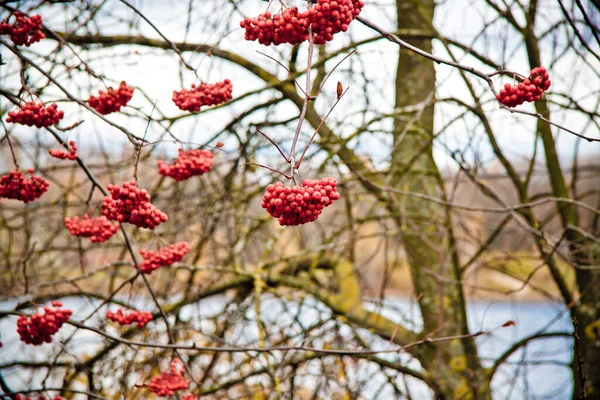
column 456, row 216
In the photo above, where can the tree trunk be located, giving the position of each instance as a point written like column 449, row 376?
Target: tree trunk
column 454, row 365
column 584, row 252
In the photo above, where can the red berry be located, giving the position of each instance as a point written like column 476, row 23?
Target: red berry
column 298, row 205
column 38, row 328
column 141, row 318
column 165, row 256
column 112, row 100
column 128, row 203
column 15, row 185
column 531, row 89
column 203, row 95
column 63, row 155
column 167, row 383
column 24, row 31
column 35, row 114
column 326, row 18
column 98, row 229
column 189, row 163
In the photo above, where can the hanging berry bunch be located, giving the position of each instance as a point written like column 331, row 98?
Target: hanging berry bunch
column 298, row 205
column 112, row 100
column 35, row 114
column 64, row 155
column 15, row 185
column 530, row 89
column 141, row 318
column 38, row 328
column 326, row 18
column 288, row 27
column 167, row 383
column 165, row 256
column 204, row 94
column 128, row 203
column 98, row 229
column 24, row 31
column 189, row 163
column 329, row 17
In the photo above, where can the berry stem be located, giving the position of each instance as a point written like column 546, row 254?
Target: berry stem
column 274, row 144
column 12, row 150
column 269, row 168
column 307, row 98
column 288, row 71
column 139, row 145
column 319, row 127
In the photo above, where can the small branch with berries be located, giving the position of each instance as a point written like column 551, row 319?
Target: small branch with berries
column 528, row 88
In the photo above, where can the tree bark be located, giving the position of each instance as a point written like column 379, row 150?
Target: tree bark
column 434, row 265
column 584, row 252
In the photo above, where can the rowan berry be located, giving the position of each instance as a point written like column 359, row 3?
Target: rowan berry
column 128, row 203
column 25, row 30
column 530, row 89
column 15, row 185
column 164, row 256
column 167, row 383
column 141, row 318
column 298, row 205
column 189, row 163
column 204, row 94
column 326, row 18
column 35, row 114
column 98, row 229
column 39, row 328
column 63, row 155
column 112, row 100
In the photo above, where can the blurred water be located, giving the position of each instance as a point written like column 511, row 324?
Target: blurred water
column 537, row 371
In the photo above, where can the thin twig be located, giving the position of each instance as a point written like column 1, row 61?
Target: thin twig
column 579, row 358
column 139, row 147
column 172, row 44
column 288, row 71
column 331, row 72
column 292, row 156
column 274, row 144
column 269, row 168
column 319, row 127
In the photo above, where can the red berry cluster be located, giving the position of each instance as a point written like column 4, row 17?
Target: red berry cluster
column 63, row 155
column 326, row 18
column 204, row 94
column 165, row 256
column 329, row 17
column 140, row 317
column 39, row 328
column 298, row 205
column 35, row 114
column 98, row 229
column 531, row 89
column 19, row 397
column 167, row 383
column 15, row 185
column 128, row 203
column 189, row 163
column 25, row 30
column 289, row 27
column 111, row 101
